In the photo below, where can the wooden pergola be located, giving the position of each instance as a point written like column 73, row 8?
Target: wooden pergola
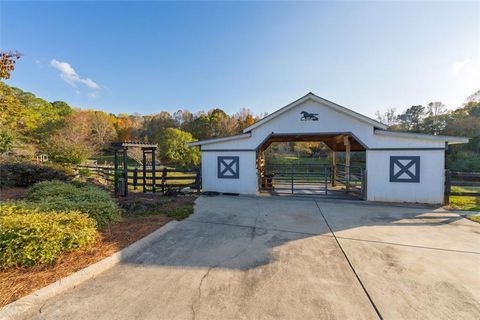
column 121, row 149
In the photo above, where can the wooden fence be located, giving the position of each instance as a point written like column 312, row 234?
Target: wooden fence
column 466, row 184
column 149, row 181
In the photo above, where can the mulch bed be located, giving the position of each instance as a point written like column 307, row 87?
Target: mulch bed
column 19, row 282
column 12, row 193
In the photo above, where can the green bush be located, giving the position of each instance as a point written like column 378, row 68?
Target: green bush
column 46, row 189
column 60, row 196
column 25, row 174
column 29, row 237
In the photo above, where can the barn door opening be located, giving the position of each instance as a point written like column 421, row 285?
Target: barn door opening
column 312, row 165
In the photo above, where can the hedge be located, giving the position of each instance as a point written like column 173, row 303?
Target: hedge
column 29, row 237
column 25, row 174
column 60, row 196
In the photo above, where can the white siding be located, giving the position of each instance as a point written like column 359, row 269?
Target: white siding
column 329, row 121
column 247, row 182
column 428, row 190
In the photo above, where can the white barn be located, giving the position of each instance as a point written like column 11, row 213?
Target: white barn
column 399, row 167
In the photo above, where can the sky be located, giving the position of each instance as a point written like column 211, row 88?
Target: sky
column 145, row 57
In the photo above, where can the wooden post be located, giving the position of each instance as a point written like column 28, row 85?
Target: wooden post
column 164, row 178
column 154, row 188
column 135, row 178
column 115, row 168
column 325, row 177
column 197, row 180
column 448, row 187
column 365, row 185
column 346, row 142
column 144, row 177
column 125, row 170
column 334, row 167
column 291, row 172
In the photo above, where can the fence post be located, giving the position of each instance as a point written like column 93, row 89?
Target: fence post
column 291, row 172
column 164, row 178
column 154, row 178
column 144, row 174
column 347, row 176
column 448, row 187
column 197, row 181
column 325, row 178
column 125, row 171
column 115, row 169
column 135, row 177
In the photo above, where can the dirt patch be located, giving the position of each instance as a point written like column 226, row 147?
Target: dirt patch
column 144, row 204
column 13, row 193
column 144, row 214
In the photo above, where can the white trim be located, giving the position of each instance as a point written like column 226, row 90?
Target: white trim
column 423, row 136
column 215, row 140
column 311, row 96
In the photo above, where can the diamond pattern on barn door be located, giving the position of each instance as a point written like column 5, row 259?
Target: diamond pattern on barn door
column 228, row 167
column 404, row 169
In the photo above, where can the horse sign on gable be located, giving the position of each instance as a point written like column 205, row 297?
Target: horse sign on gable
column 308, row 116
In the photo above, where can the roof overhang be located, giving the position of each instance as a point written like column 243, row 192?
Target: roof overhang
column 216, row 140
column 422, row 136
column 330, row 104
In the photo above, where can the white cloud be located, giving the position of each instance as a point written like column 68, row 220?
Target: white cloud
column 459, row 65
column 70, row 76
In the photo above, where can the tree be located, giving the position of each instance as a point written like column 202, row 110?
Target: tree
column 173, row 148
column 244, row 118
column 12, row 111
column 102, row 129
column 6, row 141
column 411, row 119
column 435, row 120
column 389, row 117
column 71, row 143
column 154, row 125
column 7, row 63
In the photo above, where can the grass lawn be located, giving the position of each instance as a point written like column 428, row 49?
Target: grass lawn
column 475, row 218
column 109, row 159
column 468, row 203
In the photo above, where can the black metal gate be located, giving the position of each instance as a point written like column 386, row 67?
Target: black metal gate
column 313, row 179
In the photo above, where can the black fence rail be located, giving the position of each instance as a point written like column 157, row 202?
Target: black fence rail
column 464, row 184
column 148, row 180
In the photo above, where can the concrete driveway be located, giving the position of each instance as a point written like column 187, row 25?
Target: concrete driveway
column 279, row 258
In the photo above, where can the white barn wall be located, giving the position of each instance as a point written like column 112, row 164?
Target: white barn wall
column 432, row 178
column 379, row 147
column 247, row 183
column 329, row 121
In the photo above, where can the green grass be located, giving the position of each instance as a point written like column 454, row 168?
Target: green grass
column 151, row 208
column 180, row 213
column 475, row 218
column 468, row 203
column 465, row 203
column 109, row 159
column 465, row 189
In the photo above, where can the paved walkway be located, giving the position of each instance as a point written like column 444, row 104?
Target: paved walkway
column 279, row 258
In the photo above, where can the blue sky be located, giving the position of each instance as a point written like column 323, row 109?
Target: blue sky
column 125, row 57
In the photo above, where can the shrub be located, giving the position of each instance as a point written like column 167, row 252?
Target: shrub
column 46, row 189
column 29, row 237
column 25, row 174
column 60, row 196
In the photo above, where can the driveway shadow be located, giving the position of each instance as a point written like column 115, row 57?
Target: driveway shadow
column 241, row 232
